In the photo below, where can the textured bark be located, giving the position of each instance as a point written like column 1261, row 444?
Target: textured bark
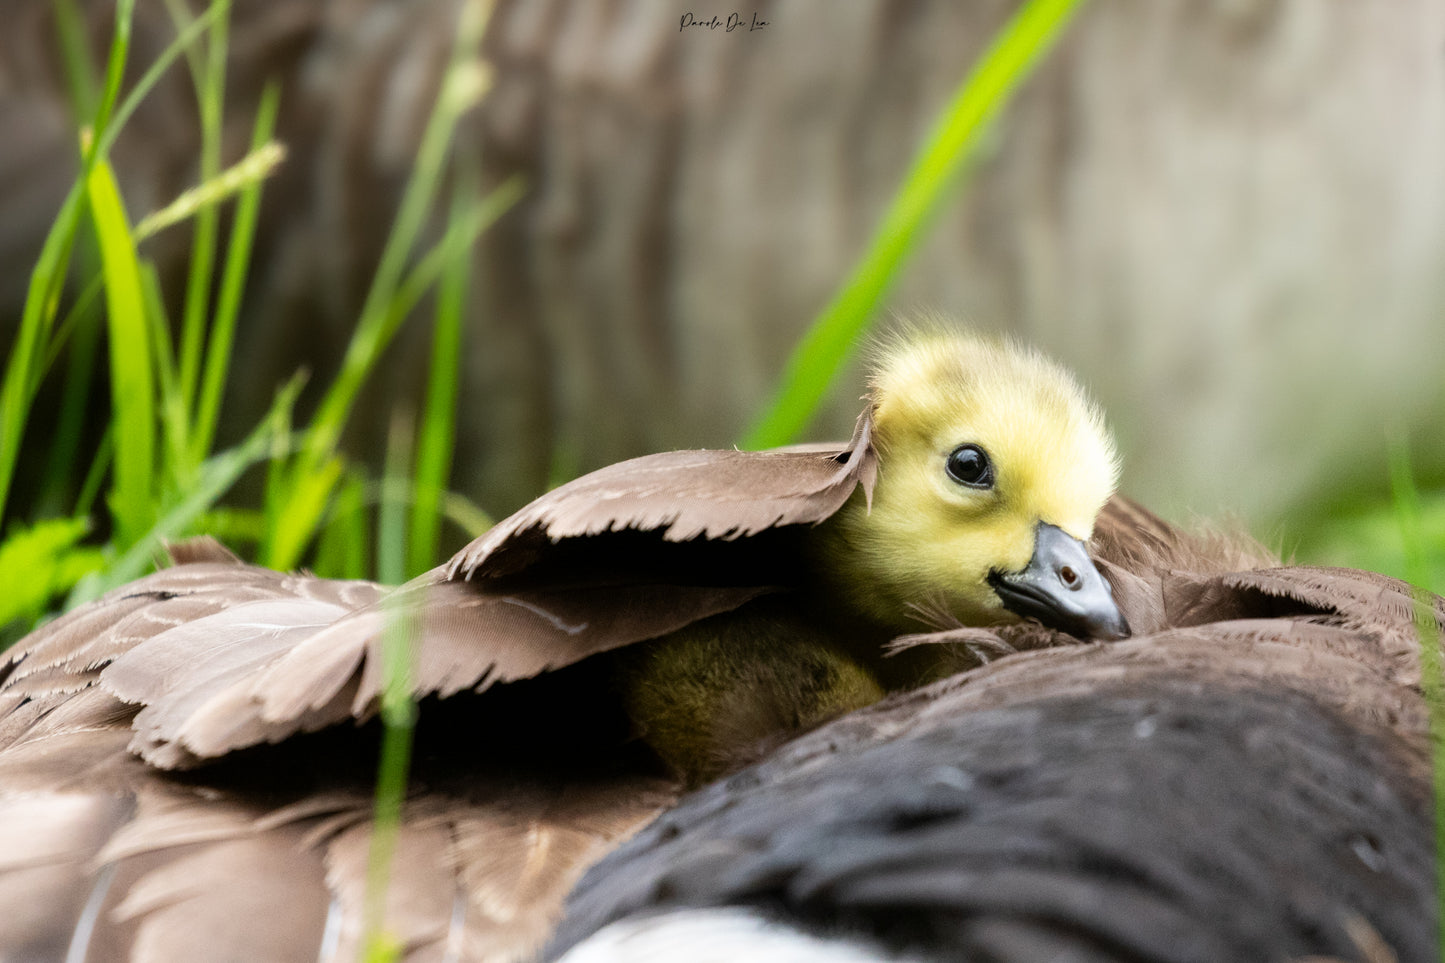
column 1226, row 216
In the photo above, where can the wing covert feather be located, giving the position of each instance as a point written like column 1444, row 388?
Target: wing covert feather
column 221, row 655
column 260, row 672
column 683, row 495
column 214, row 656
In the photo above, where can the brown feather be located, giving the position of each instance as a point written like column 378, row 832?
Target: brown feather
column 47, row 843
column 1236, row 789
column 241, row 675
column 230, row 867
column 683, row 495
column 221, row 655
column 259, row 672
column 202, row 548
column 251, row 897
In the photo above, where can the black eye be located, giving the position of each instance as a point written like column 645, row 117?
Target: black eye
column 969, row 465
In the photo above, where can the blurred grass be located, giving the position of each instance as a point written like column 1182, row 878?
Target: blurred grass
column 94, row 288
column 1406, row 499
column 1364, row 532
column 164, row 479
column 305, row 487
column 398, row 707
column 833, row 336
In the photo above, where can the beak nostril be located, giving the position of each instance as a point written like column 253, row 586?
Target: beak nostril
column 1070, row 577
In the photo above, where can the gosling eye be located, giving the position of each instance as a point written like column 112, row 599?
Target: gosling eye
column 969, row 465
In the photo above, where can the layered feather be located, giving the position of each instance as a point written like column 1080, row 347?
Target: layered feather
column 1249, row 777
column 682, row 495
column 186, row 768
column 217, row 660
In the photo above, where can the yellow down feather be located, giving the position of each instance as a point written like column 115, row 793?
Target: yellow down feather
column 706, row 697
column 928, row 541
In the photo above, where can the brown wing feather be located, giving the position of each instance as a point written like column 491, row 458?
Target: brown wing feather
column 1128, row 534
column 222, row 655
column 99, row 632
column 101, row 851
column 261, row 671
column 199, row 626
column 682, row 495
column 211, row 657
column 486, row 879
column 202, row 548
column 47, row 843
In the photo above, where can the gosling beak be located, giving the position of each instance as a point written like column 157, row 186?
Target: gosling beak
column 1062, row 588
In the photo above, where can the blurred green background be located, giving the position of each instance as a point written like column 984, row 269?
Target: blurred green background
column 512, row 242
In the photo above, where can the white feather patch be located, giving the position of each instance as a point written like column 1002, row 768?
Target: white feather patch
column 720, row 936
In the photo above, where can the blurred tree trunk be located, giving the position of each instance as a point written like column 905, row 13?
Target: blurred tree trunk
column 1227, row 215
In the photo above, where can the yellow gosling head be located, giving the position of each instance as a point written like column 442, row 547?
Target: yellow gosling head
column 993, row 465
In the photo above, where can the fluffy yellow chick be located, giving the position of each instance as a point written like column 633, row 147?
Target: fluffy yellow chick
column 992, row 467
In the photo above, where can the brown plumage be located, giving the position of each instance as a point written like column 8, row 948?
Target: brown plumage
column 115, row 849
column 1248, row 778
column 186, row 765
column 260, row 855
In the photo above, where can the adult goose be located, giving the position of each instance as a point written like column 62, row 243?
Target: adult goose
column 186, row 765
column 1247, row 778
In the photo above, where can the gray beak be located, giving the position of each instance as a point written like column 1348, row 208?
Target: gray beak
column 1062, row 588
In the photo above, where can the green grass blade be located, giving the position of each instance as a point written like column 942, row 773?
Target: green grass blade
column 301, row 508
column 463, row 83
column 162, row 348
column 211, row 96
column 40, row 561
column 106, row 134
column 95, row 476
column 80, row 79
column 214, row 479
column 438, row 424
column 41, row 304
column 1432, row 681
column 302, row 496
column 114, row 75
column 463, row 229
column 398, row 707
column 181, row 19
column 1407, row 511
column 233, row 283
column 63, row 460
column 282, row 439
column 80, row 312
column 830, row 340
column 48, row 278
column 391, row 535
column 398, row 714
column 432, row 266
column 178, row 471
column 466, row 514
column 344, row 549
column 461, row 87
column 132, row 392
